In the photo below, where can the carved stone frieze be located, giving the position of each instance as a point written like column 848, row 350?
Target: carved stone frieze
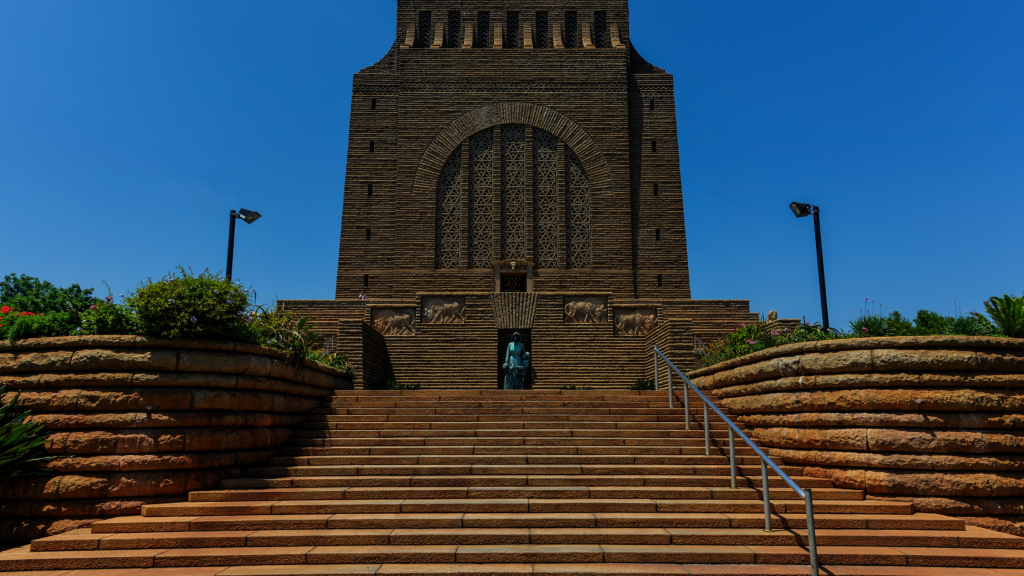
column 635, row 321
column 444, row 310
column 585, row 310
column 394, row 321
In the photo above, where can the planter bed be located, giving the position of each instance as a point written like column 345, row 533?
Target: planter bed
column 937, row 420
column 138, row 420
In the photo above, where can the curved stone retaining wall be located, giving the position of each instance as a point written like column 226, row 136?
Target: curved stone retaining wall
column 139, row 420
column 936, row 420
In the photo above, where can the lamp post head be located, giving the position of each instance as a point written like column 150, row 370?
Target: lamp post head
column 249, row 216
column 800, row 209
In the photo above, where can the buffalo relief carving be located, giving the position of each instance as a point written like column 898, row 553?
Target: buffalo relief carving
column 635, row 321
column 440, row 310
column 394, row 322
column 586, row 310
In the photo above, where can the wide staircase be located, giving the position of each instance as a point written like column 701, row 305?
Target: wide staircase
column 486, row 482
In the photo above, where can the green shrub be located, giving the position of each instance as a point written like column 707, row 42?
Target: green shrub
column 24, row 293
column 973, row 324
column 334, row 360
column 110, row 318
column 642, row 384
column 394, row 385
column 575, row 387
column 22, row 444
column 191, row 306
column 759, row 335
column 15, row 325
column 1008, row 314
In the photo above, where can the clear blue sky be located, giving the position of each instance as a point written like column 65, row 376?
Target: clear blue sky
column 128, row 130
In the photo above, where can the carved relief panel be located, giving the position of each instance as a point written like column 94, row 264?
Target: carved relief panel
column 394, row 321
column 585, row 310
column 635, row 321
column 442, row 310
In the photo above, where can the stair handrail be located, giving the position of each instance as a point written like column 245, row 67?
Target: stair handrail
column 766, row 461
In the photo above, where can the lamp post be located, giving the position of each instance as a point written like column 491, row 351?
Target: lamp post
column 800, row 210
column 248, row 216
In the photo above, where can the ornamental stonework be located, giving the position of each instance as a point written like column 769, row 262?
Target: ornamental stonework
column 444, row 310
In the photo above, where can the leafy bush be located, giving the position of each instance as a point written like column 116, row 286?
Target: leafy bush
column 394, row 385
column 179, row 306
column 760, row 335
column 28, row 294
column 642, row 384
column 16, row 324
column 191, row 306
column 575, row 387
column 110, row 318
column 973, row 324
column 1008, row 314
column 22, row 444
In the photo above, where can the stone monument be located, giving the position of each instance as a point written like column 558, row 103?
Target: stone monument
column 513, row 167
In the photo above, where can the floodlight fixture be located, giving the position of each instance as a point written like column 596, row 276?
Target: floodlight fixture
column 800, row 210
column 248, row 216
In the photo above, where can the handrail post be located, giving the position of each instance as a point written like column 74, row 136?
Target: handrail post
column 670, row 404
column 812, row 545
column 686, row 403
column 656, row 368
column 707, row 431
column 732, row 459
column 764, row 495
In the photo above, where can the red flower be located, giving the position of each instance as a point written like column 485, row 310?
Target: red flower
column 5, row 309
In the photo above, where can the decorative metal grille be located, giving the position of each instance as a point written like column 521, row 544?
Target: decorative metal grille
column 545, row 198
column 541, row 41
column 449, row 212
column 425, row 38
column 481, row 199
column 454, row 30
column 512, row 34
column 483, row 29
column 577, row 212
column 513, row 193
column 600, row 30
column 570, row 29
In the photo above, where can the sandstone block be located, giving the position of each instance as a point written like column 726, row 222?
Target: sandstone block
column 213, row 361
column 123, row 359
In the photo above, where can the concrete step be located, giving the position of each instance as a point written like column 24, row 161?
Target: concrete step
column 504, row 492
column 520, row 506
column 513, row 433
column 509, row 554
column 374, row 409
column 85, row 540
column 436, row 520
column 510, row 424
column 513, row 469
column 719, row 481
column 516, row 437
column 312, row 438
column 501, row 460
column 648, row 451
column 462, row 416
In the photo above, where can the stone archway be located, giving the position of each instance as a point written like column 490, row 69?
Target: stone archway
column 586, row 175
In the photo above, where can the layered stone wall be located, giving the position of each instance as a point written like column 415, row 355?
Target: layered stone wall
column 137, row 420
column 936, row 420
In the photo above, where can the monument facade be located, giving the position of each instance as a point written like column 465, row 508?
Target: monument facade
column 513, row 167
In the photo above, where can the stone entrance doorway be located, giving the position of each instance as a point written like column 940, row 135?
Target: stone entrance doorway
column 504, row 338
column 513, row 282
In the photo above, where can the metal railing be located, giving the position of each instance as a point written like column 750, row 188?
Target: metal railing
column 766, row 462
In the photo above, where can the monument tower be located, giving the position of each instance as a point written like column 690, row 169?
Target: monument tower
column 513, row 166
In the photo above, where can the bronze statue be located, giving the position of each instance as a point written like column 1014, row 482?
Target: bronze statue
column 517, row 363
